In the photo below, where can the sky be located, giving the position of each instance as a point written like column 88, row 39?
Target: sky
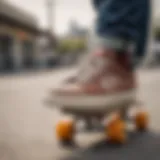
column 65, row 11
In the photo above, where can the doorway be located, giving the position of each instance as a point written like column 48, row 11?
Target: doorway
column 6, row 45
column 27, row 52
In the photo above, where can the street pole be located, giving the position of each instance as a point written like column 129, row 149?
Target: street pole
column 51, row 23
column 50, row 5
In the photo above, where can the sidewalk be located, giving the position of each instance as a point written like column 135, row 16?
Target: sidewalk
column 27, row 125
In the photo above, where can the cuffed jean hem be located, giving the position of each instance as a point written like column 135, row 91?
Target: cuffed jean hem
column 119, row 44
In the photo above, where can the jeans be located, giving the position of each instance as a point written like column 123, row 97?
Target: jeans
column 125, row 19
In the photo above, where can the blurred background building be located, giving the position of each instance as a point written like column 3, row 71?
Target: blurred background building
column 76, row 31
column 18, row 38
column 23, row 45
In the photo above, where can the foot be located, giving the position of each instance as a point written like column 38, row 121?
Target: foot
column 106, row 80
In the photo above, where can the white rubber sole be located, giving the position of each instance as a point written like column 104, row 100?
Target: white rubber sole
column 91, row 102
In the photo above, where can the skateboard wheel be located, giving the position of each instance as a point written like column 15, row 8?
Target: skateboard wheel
column 65, row 131
column 141, row 121
column 116, row 131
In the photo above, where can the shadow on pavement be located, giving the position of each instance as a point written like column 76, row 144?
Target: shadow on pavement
column 139, row 147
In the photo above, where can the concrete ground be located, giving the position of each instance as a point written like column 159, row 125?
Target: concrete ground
column 27, row 126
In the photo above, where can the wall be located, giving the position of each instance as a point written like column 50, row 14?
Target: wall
column 18, row 36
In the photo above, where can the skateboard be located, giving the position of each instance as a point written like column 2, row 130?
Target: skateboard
column 114, row 129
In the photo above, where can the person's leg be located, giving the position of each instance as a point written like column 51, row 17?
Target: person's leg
column 107, row 80
column 124, row 20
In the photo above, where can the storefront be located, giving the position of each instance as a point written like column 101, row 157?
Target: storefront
column 6, row 43
column 18, row 39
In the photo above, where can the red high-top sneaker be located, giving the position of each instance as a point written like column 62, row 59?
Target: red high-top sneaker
column 106, row 82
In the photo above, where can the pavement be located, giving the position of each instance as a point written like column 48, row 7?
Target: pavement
column 27, row 125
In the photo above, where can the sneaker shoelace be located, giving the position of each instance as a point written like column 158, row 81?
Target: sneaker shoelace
column 91, row 66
